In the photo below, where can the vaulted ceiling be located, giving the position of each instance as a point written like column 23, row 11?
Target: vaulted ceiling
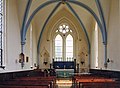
column 86, row 17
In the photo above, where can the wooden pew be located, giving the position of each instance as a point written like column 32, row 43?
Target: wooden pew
column 23, row 86
column 34, row 79
column 37, row 78
column 26, row 82
column 99, row 85
column 86, row 81
column 51, row 79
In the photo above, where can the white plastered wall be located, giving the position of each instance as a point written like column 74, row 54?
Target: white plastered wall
column 113, row 36
column 13, row 47
column 30, row 49
column 13, row 41
column 111, row 13
column 34, row 46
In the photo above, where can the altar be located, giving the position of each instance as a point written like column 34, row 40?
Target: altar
column 64, row 73
column 64, row 69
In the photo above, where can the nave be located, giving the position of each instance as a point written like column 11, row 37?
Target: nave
column 64, row 82
column 59, row 43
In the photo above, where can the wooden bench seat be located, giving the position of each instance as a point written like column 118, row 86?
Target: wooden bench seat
column 26, row 82
column 88, row 77
column 23, row 86
column 52, row 78
column 94, row 82
column 28, row 79
column 98, row 85
column 32, row 81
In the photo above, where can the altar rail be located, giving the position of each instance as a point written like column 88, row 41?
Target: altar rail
column 64, row 64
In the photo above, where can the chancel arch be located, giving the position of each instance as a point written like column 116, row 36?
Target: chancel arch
column 63, row 2
column 77, row 3
column 79, row 38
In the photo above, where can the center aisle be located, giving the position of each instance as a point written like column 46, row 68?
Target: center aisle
column 64, row 83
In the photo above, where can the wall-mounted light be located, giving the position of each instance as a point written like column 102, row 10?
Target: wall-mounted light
column 31, row 67
column 108, row 61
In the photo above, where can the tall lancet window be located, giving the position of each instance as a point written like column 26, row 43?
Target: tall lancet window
column 2, row 31
column 58, row 48
column 96, row 45
column 63, row 44
column 69, row 48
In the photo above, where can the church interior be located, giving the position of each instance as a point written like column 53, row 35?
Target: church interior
column 59, row 43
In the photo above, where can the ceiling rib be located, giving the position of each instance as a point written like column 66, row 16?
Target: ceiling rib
column 83, row 28
column 43, row 28
column 93, row 14
column 24, row 22
column 32, row 15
